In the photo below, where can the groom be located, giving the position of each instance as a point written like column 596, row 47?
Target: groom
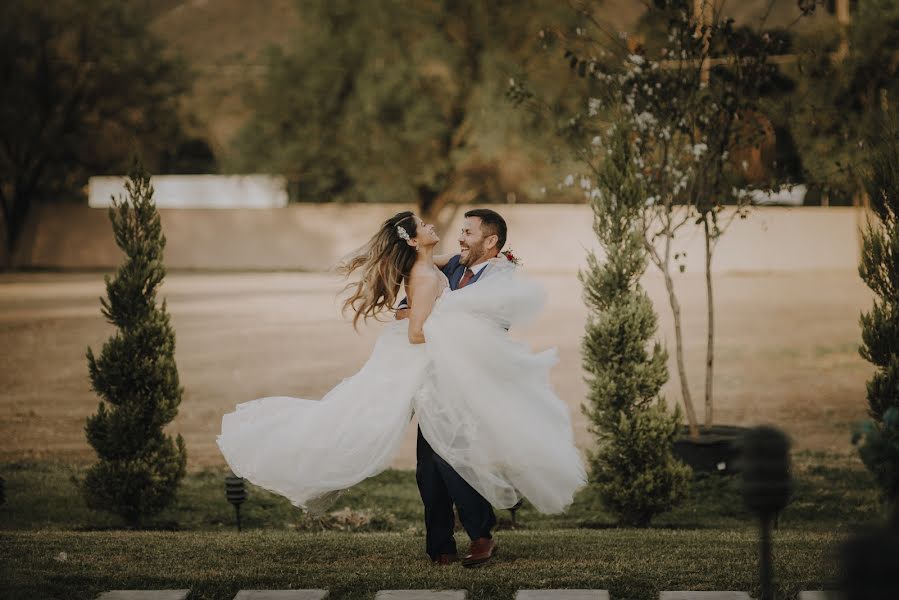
column 482, row 238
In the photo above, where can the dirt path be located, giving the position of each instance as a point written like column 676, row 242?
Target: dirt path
column 787, row 352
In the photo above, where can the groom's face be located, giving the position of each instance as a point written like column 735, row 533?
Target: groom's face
column 474, row 245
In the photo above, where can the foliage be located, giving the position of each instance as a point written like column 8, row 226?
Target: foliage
column 83, row 82
column 140, row 467
column 697, row 124
column 879, row 269
column 397, row 102
column 699, row 134
column 838, row 97
column 633, row 467
column 879, row 450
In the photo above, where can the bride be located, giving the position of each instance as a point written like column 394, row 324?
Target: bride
column 484, row 402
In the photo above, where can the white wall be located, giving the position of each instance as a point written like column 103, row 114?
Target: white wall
column 312, row 237
column 556, row 238
column 199, row 191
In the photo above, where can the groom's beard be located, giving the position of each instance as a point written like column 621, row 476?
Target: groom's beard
column 472, row 258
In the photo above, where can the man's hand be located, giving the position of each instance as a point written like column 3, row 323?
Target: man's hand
column 402, row 313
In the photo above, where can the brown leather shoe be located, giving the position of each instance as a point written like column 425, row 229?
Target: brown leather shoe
column 480, row 551
column 446, row 559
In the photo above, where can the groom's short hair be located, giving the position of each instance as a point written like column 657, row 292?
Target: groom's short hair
column 492, row 224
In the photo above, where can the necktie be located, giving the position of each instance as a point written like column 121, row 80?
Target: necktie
column 466, row 277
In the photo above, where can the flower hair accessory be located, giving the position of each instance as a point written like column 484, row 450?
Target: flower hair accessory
column 402, row 232
column 511, row 257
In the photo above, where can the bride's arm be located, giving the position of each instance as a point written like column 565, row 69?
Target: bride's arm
column 441, row 259
column 423, row 292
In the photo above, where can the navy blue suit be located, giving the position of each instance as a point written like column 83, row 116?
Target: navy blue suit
column 454, row 270
column 439, row 484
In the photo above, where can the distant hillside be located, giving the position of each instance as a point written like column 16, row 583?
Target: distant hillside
column 223, row 39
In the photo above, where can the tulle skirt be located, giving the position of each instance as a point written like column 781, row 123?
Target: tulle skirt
column 484, row 403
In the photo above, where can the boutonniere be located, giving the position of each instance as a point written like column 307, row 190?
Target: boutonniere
column 510, row 256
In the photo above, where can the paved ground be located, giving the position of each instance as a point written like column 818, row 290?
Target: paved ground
column 787, row 351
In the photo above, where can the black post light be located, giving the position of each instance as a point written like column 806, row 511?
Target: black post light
column 514, row 510
column 235, row 493
column 767, row 486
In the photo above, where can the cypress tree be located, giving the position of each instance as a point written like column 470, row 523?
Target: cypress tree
column 139, row 467
column 633, row 467
column 879, row 269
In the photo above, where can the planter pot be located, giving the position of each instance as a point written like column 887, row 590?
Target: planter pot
column 715, row 451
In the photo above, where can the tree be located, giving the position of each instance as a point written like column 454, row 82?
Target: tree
column 139, row 467
column 633, row 466
column 401, row 101
column 879, row 269
column 694, row 125
column 838, row 99
column 83, row 82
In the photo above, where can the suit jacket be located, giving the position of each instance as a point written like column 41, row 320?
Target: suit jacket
column 454, row 270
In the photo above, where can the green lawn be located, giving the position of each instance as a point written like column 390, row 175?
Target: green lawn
column 376, row 541
column 833, row 492
column 629, row 563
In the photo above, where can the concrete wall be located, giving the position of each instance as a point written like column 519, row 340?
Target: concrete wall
column 313, row 237
column 198, row 191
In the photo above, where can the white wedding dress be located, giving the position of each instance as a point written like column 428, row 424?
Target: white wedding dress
column 484, row 403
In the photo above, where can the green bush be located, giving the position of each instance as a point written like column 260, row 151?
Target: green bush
column 636, row 472
column 879, row 269
column 633, row 467
column 139, row 467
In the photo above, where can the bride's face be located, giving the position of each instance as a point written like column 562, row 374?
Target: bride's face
column 425, row 235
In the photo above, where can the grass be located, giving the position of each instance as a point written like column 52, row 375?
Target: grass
column 631, row 564
column 709, row 542
column 831, row 492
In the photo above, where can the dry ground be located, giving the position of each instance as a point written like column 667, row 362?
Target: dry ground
column 787, row 351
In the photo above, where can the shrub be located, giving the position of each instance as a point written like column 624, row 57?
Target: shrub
column 139, row 467
column 879, row 268
column 633, row 466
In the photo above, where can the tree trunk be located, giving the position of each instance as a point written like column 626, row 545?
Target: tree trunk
column 14, row 213
column 427, row 201
column 432, row 208
column 710, row 344
column 663, row 263
column 681, row 369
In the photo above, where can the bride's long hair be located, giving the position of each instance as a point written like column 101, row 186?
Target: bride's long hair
column 384, row 262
